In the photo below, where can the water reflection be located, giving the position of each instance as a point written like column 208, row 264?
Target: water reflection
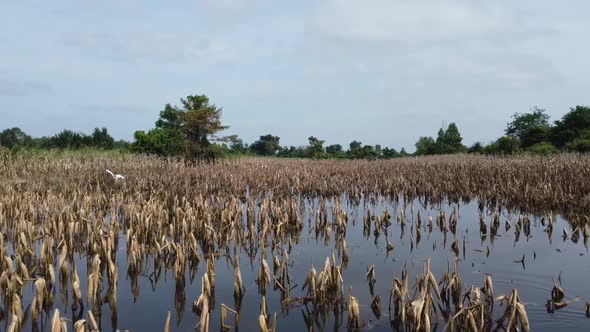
column 373, row 246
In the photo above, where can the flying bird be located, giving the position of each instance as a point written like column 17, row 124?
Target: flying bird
column 116, row 176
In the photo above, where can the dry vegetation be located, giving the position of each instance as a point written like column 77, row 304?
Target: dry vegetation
column 53, row 210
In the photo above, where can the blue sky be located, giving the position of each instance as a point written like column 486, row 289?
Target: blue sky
column 379, row 71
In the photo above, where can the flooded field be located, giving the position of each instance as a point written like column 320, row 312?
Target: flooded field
column 426, row 243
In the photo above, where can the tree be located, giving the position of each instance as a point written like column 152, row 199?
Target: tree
column 68, row 139
column 155, row 141
column 334, row 149
column 287, row 152
column 368, row 152
column 425, row 145
column 199, row 123
column 354, row 151
column 504, row 145
column 101, row 139
column 530, row 128
column 237, row 146
column 534, row 136
column 14, row 137
column 189, row 130
column 453, row 138
column 293, row 152
column 521, row 122
column 579, row 145
column 573, row 125
column 355, row 145
column 267, row 145
column 170, row 117
column 43, row 142
column 315, row 149
column 388, row 153
column 477, row 147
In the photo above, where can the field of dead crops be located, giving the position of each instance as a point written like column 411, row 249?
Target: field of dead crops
column 285, row 245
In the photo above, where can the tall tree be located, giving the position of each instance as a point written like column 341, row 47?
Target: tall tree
column 200, row 123
column 453, row 138
column 530, row 128
column 574, row 125
column 315, row 149
column 189, row 130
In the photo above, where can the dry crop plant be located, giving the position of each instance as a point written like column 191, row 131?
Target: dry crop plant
column 57, row 212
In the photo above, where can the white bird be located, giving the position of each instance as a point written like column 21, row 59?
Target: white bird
column 116, row 176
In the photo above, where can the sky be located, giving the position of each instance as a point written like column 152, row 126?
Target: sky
column 378, row 71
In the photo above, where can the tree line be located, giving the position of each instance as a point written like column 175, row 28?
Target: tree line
column 533, row 132
column 192, row 129
column 15, row 138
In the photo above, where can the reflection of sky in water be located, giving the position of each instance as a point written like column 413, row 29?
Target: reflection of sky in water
column 533, row 283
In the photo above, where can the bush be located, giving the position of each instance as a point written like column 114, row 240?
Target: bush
column 505, row 145
column 543, row 148
column 579, row 145
column 476, row 148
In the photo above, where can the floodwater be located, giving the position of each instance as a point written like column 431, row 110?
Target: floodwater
column 142, row 304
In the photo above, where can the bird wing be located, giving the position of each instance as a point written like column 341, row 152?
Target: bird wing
column 111, row 173
column 119, row 176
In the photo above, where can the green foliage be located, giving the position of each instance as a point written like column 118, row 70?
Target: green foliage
column 191, row 130
column 543, row 148
column 200, row 122
column 477, row 147
column 170, row 118
column 453, row 139
column 425, row 145
column 368, row 152
column 573, row 125
column 315, row 149
column 157, row 141
column 217, row 151
column 15, row 137
column 534, row 136
column 579, row 145
column 388, row 153
column 355, row 145
column 267, row 145
column 334, row 149
column 122, row 145
column 505, row 145
column 68, row 139
column 188, row 130
column 447, row 141
column 293, row 152
column 523, row 122
column 101, row 139
column 237, row 146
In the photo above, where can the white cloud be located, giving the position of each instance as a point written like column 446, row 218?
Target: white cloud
column 410, row 20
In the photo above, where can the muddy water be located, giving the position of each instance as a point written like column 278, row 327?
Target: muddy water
column 142, row 304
